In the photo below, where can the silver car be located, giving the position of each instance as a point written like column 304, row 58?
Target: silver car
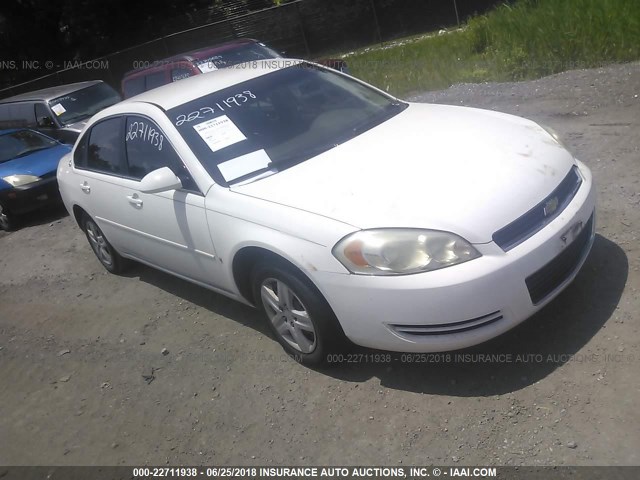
column 60, row 112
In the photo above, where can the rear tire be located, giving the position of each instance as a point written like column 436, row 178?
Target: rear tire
column 104, row 251
column 7, row 221
column 297, row 314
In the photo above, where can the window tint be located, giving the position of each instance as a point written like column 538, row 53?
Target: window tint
column 19, row 114
column 4, row 116
column 133, row 86
column 155, row 80
column 80, row 155
column 282, row 118
column 105, row 152
column 148, row 150
column 24, row 112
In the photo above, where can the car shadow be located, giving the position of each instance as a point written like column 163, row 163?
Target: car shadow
column 519, row 357
column 514, row 360
column 47, row 214
column 200, row 296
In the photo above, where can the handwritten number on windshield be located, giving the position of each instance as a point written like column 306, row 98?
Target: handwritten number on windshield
column 146, row 133
column 231, row 102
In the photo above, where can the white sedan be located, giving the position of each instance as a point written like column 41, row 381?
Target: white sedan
column 340, row 211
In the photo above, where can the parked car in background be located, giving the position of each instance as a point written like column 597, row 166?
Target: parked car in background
column 61, row 111
column 28, row 163
column 337, row 209
column 185, row 65
column 161, row 72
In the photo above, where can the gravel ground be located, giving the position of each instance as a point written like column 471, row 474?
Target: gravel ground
column 84, row 379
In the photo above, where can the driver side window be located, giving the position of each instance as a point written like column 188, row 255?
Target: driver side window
column 148, row 149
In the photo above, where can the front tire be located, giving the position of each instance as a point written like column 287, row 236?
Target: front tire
column 298, row 316
column 106, row 254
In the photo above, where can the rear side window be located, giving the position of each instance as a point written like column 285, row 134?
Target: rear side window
column 133, row 86
column 80, row 155
column 24, row 112
column 4, row 116
column 20, row 114
column 148, row 149
column 155, row 80
column 104, row 152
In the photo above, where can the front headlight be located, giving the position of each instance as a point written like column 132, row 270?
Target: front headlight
column 400, row 251
column 19, row 180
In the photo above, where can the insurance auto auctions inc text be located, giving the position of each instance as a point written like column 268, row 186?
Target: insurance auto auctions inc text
column 377, row 472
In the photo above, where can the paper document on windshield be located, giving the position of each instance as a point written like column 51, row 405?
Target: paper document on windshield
column 244, row 165
column 219, row 133
column 58, row 109
column 207, row 67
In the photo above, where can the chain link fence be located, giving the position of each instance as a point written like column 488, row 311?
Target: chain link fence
column 301, row 28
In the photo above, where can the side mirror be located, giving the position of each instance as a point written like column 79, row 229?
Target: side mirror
column 45, row 122
column 160, row 180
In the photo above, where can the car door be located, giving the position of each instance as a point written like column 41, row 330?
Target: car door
column 167, row 229
column 47, row 125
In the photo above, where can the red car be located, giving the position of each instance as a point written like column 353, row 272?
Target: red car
column 160, row 72
column 157, row 73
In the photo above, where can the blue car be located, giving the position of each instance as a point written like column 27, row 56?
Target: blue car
column 28, row 164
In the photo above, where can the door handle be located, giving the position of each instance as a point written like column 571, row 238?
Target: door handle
column 134, row 200
column 85, row 187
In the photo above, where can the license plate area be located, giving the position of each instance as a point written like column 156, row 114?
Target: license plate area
column 569, row 236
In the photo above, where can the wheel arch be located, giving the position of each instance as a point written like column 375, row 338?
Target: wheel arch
column 78, row 213
column 247, row 257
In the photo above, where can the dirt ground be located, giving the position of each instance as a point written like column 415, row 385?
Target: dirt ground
column 83, row 379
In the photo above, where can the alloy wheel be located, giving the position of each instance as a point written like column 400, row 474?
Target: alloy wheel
column 99, row 244
column 288, row 315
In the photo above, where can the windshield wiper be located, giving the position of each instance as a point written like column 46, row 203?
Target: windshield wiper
column 252, row 174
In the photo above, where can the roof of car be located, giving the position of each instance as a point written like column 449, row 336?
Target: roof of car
column 178, row 93
column 10, row 130
column 50, row 92
column 203, row 53
column 190, row 56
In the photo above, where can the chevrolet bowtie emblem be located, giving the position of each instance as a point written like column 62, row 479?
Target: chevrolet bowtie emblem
column 550, row 206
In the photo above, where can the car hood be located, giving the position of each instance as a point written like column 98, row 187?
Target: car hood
column 38, row 163
column 458, row 169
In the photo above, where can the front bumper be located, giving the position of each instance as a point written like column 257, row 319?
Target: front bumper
column 466, row 304
column 19, row 200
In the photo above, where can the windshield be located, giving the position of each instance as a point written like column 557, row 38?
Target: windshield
column 250, row 52
column 278, row 120
column 84, row 103
column 22, row 142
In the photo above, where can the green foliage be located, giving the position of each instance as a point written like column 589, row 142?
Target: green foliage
column 525, row 39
